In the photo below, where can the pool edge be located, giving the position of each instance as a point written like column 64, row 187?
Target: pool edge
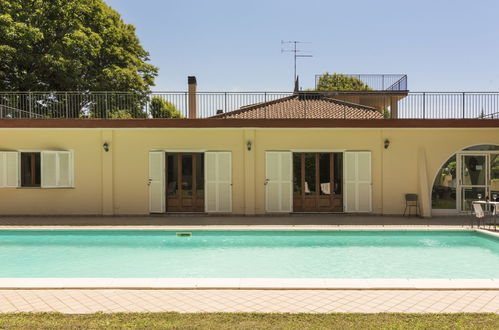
column 249, row 283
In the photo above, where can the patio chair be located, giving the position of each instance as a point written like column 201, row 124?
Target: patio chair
column 490, row 219
column 411, row 201
column 479, row 215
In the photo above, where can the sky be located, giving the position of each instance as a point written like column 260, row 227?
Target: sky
column 442, row 45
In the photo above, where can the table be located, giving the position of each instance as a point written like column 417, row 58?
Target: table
column 494, row 211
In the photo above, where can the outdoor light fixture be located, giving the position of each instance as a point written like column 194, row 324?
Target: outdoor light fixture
column 387, row 143
column 105, row 146
column 248, row 145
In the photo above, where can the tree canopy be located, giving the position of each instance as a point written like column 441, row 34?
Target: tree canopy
column 340, row 82
column 78, row 45
column 160, row 108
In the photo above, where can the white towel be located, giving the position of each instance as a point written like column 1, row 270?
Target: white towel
column 307, row 191
column 478, row 210
column 325, row 188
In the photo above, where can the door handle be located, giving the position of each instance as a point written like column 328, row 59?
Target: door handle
column 149, row 182
column 266, row 181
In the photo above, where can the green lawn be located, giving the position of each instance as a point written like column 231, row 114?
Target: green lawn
column 248, row 321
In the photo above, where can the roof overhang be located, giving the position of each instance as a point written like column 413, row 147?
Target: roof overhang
column 250, row 123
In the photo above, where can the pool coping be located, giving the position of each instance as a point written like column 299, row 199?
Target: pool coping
column 246, row 227
column 249, row 283
column 252, row 283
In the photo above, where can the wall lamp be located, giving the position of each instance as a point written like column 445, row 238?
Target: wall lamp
column 248, row 145
column 105, row 146
column 387, row 143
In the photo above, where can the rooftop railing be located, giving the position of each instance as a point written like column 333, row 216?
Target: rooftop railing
column 377, row 82
column 54, row 105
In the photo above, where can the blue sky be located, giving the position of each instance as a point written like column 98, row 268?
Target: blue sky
column 442, row 45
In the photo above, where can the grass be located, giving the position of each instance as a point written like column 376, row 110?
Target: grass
column 247, row 321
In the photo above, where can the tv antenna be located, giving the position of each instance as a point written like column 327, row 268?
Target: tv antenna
column 298, row 53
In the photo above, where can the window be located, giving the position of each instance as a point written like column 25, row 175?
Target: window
column 444, row 186
column 483, row 147
column 45, row 169
column 30, row 169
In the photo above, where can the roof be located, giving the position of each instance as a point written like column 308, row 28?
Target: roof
column 304, row 106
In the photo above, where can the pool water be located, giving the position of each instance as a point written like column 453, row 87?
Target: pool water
column 248, row 254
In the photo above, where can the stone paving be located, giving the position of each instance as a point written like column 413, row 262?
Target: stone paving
column 214, row 220
column 277, row 301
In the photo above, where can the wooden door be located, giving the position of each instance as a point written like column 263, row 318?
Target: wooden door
column 184, row 182
column 317, row 182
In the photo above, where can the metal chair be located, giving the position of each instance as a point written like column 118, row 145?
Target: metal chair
column 478, row 215
column 411, row 200
column 490, row 219
column 470, row 211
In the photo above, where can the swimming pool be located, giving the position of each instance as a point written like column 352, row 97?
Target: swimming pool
column 248, row 254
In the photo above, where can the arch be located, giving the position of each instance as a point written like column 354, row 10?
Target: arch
column 445, row 185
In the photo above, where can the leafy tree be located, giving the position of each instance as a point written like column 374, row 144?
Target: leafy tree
column 76, row 45
column 163, row 109
column 340, row 82
column 120, row 114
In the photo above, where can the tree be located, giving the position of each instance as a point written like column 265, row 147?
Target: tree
column 163, row 109
column 78, row 45
column 340, row 82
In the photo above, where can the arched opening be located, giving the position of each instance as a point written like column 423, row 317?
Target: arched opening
column 470, row 174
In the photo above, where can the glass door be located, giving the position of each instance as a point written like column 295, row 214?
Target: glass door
column 474, row 179
column 494, row 177
column 317, row 182
column 184, row 182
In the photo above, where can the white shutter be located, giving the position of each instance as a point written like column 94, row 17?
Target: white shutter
column 358, row 183
column 56, row 169
column 218, row 181
column 157, row 182
column 278, row 181
column 9, row 169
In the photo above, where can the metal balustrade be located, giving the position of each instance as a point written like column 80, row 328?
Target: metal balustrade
column 52, row 105
column 377, row 82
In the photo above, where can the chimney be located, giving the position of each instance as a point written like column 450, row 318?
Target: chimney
column 297, row 85
column 191, row 81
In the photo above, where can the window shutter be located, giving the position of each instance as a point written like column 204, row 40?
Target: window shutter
column 279, row 181
column 57, row 169
column 157, row 181
column 210, row 184
column 218, row 181
column 65, row 172
column 358, row 192
column 9, row 169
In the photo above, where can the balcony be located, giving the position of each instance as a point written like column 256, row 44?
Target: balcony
column 377, row 82
column 406, row 105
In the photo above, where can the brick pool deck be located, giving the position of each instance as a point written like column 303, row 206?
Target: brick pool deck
column 243, row 300
column 266, row 301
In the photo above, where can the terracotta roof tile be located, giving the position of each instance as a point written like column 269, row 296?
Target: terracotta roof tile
column 304, row 106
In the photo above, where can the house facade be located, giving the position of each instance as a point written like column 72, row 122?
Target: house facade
column 335, row 156
column 131, row 166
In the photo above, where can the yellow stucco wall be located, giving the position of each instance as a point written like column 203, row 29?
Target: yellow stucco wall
column 116, row 182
